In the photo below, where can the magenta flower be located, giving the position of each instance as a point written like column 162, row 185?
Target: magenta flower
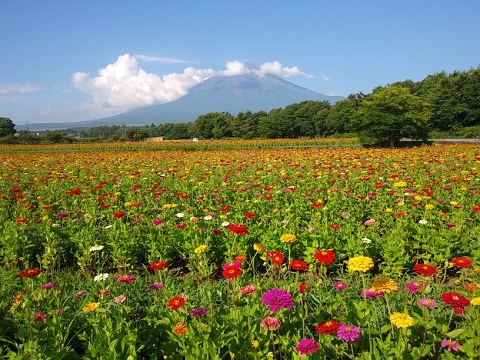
column 348, row 333
column 450, row 344
column 338, row 285
column 427, row 303
column 198, row 312
column 451, row 225
column 48, row 286
column 306, row 346
column 158, row 222
column 414, row 287
column 276, row 299
column 155, row 286
column 40, row 316
column 63, row 214
column 237, row 264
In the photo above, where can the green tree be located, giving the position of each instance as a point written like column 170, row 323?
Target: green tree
column 389, row 114
column 7, row 127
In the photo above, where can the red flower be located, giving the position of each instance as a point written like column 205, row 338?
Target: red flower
column 399, row 214
column 231, row 272
column 455, row 299
column 476, row 207
column 118, row 214
column 224, row 208
column 21, row 220
column 327, row 327
column 317, row 204
column 238, row 229
column 249, row 215
column 298, row 265
column 74, row 192
column 158, row 265
column 462, row 262
column 276, row 256
column 425, row 269
column 302, row 288
column 29, row 272
column 335, row 226
column 324, row 256
column 176, row 303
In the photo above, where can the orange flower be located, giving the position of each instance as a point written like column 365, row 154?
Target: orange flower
column 18, row 297
column 180, row 328
column 471, row 287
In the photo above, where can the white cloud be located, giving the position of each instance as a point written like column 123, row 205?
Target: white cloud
column 124, row 85
column 17, row 88
column 325, row 78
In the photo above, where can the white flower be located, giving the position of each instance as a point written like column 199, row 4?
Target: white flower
column 366, row 240
column 96, row 248
column 423, row 222
column 225, row 223
column 108, row 226
column 87, row 216
column 208, row 217
column 180, row 215
column 100, row 277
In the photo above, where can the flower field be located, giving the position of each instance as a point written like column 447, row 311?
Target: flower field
column 309, row 250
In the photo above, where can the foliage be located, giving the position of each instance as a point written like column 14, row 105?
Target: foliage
column 7, row 127
column 390, row 114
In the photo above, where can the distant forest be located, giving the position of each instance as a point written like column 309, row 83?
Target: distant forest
column 453, row 102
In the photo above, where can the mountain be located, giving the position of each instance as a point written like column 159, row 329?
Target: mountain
column 231, row 94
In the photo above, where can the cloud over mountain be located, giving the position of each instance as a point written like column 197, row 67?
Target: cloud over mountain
column 124, row 85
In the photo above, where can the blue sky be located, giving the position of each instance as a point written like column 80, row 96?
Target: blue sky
column 78, row 60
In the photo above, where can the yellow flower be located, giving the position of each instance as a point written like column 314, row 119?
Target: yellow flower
column 127, row 204
column 91, row 307
column 201, row 249
column 475, row 301
column 388, row 210
column 255, row 344
column 288, row 238
column 453, row 203
column 169, row 206
column 384, row 285
column 360, row 263
column 400, row 184
column 260, row 248
column 429, row 207
column 401, row 320
column 401, row 203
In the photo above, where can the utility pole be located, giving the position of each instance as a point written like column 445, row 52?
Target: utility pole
column 26, row 122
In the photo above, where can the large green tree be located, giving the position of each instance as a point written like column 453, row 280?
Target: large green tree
column 391, row 113
column 7, row 127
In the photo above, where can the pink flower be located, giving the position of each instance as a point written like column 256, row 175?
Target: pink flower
column 370, row 294
column 414, row 287
column 155, row 286
column 450, row 344
column 120, row 299
column 270, row 323
column 247, row 290
column 427, row 303
column 369, row 222
column 48, row 286
column 338, row 285
column 126, row 278
column 80, row 293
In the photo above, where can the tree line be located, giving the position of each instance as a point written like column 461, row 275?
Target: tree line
column 448, row 103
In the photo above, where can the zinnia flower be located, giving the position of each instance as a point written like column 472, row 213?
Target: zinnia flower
column 48, row 286
column 201, row 249
column 450, row 344
column 100, row 277
column 298, row 265
column 338, row 285
column 270, row 323
column 348, row 333
column 327, row 327
column 360, row 263
column 276, row 256
column 120, row 299
column 427, row 303
column 414, row 286
column 456, row 300
column 176, row 303
column 425, row 269
column 40, row 316
column 247, row 290
column 384, row 285
column 324, row 256
column 370, row 294
column 180, row 328
column 401, row 320
column 276, row 299
column 231, row 271
column 238, row 229
column 198, row 312
column 126, row 278
column 302, row 288
column 288, row 238
column 29, row 272
column 91, row 307
column 158, row 265
column 96, row 248
column 306, row 346
column 155, row 286
column 461, row 262
column 260, row 248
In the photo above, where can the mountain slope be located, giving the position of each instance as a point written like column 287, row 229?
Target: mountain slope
column 231, row 94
